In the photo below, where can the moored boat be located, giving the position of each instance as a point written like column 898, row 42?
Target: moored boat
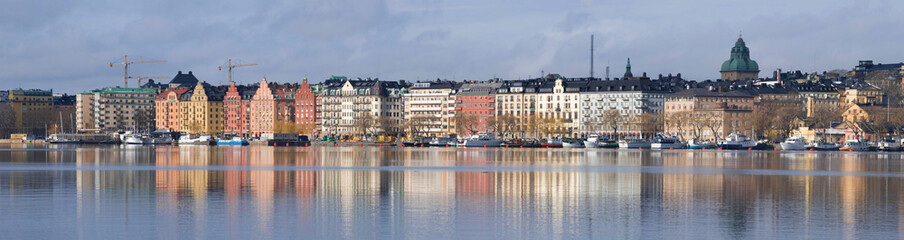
column 855, row 145
column 700, row 144
column 824, row 146
column 633, row 144
column 551, row 143
column 889, row 144
column 196, row 140
column 449, row 141
column 233, row 141
column 572, row 143
column 794, row 143
column 485, row 139
column 666, row 143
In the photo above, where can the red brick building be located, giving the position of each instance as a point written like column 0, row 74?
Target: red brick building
column 238, row 103
column 306, row 109
column 476, row 100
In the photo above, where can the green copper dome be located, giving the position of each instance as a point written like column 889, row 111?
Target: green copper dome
column 740, row 59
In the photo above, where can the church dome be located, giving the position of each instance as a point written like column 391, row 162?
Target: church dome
column 740, row 59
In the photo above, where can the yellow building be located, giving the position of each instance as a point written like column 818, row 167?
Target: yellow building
column 202, row 111
column 32, row 108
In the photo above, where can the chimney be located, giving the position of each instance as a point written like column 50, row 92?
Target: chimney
column 189, row 72
column 180, row 73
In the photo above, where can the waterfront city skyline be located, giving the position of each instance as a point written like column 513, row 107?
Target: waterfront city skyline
column 66, row 46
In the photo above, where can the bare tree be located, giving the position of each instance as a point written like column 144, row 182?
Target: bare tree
column 144, row 120
column 365, row 123
column 678, row 121
column 466, row 124
column 504, row 125
column 651, row 124
column 7, row 120
column 388, row 125
column 612, row 119
column 713, row 122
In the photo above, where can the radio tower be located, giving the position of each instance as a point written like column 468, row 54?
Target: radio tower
column 591, row 56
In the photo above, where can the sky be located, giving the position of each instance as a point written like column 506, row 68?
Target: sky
column 67, row 45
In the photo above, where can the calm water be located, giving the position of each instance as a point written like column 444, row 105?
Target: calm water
column 199, row 192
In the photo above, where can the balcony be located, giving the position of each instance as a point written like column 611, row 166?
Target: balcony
column 426, row 102
column 427, row 95
column 413, row 109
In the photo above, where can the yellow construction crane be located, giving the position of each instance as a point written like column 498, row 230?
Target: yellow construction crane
column 125, row 63
column 230, row 66
column 147, row 77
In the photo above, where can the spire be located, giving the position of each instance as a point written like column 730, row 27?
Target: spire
column 628, row 69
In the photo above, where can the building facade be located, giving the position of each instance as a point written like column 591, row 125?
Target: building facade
column 32, row 108
column 707, row 114
column 306, row 108
column 517, row 100
column 558, row 102
column 116, row 108
column 202, row 111
column 630, row 98
column 430, row 108
column 237, row 104
column 167, row 108
column 475, row 107
column 362, row 107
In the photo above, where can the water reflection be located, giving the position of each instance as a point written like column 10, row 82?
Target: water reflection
column 265, row 192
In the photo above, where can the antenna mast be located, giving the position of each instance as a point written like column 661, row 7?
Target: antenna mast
column 591, row 56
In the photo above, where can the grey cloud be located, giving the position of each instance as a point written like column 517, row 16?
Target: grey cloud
column 66, row 44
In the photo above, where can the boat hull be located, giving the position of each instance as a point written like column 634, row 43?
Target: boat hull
column 793, row 146
column 482, row 143
column 666, row 145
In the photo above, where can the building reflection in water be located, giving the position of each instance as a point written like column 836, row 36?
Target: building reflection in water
column 522, row 193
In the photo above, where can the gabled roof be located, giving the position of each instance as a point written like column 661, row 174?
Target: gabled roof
column 179, row 91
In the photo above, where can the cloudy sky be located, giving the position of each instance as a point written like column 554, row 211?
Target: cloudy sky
column 66, row 45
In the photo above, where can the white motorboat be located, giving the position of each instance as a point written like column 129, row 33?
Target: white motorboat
column 700, row 144
column 855, row 145
column 633, row 143
column 824, row 146
column 667, row 143
column 591, row 141
column 735, row 142
column 794, row 143
column 137, row 139
column 486, row 139
column 572, row 143
column 889, row 144
column 444, row 141
column 162, row 140
column 196, row 140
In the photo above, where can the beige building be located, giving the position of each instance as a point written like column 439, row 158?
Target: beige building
column 558, row 102
column 518, row 98
column 430, row 107
column 705, row 114
column 116, row 108
column 346, row 102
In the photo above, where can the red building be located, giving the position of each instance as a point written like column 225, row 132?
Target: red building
column 238, row 102
column 306, row 109
column 476, row 100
